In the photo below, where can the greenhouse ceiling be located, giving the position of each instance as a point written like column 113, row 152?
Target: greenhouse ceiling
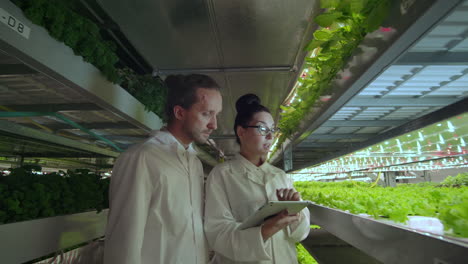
column 437, row 146
column 430, row 75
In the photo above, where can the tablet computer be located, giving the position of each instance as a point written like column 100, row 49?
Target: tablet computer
column 272, row 208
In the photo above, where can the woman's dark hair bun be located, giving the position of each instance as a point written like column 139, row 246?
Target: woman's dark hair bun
column 245, row 101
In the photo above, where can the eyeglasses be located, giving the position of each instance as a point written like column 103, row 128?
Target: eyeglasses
column 264, row 130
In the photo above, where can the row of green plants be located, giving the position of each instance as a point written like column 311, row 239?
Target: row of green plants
column 303, row 256
column 344, row 25
column 455, row 181
column 83, row 36
column 25, row 195
column 447, row 202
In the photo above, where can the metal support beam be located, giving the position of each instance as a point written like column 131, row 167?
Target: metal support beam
column 427, row 176
column 54, row 107
column 305, row 146
column 363, row 123
column 339, row 136
column 327, row 248
column 97, row 125
column 122, row 137
column 19, row 130
column 306, row 154
column 436, row 116
column 66, row 120
column 21, row 161
column 16, row 69
column 28, row 240
column 227, row 69
column 400, row 102
column 390, row 178
column 72, row 154
column 433, row 58
column 51, row 162
column 389, row 243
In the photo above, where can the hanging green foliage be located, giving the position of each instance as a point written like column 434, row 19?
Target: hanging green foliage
column 84, row 38
column 344, row 25
column 150, row 91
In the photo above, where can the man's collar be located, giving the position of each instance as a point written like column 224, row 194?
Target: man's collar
column 166, row 137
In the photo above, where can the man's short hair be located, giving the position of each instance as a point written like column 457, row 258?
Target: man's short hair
column 182, row 91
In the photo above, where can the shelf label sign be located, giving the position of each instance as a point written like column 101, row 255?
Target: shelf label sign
column 15, row 24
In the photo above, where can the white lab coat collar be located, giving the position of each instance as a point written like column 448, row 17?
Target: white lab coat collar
column 250, row 166
column 252, row 171
column 165, row 137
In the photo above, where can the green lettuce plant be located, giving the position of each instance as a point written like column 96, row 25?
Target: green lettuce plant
column 344, row 25
column 448, row 204
column 25, row 195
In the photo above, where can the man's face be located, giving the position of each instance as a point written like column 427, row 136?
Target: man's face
column 200, row 119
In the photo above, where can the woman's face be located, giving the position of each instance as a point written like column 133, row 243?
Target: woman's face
column 252, row 141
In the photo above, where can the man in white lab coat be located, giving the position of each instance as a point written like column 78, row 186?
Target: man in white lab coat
column 156, row 191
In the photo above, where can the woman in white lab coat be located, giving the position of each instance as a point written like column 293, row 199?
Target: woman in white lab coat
column 237, row 188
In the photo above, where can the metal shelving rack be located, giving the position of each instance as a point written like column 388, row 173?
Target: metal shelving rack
column 44, row 55
column 384, row 93
column 388, row 243
column 39, row 78
column 24, row 241
column 40, row 55
column 53, row 97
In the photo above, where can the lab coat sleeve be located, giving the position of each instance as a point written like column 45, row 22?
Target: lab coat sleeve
column 129, row 198
column 221, row 228
column 300, row 230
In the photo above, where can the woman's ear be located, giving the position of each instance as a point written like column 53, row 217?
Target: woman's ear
column 179, row 112
column 240, row 131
